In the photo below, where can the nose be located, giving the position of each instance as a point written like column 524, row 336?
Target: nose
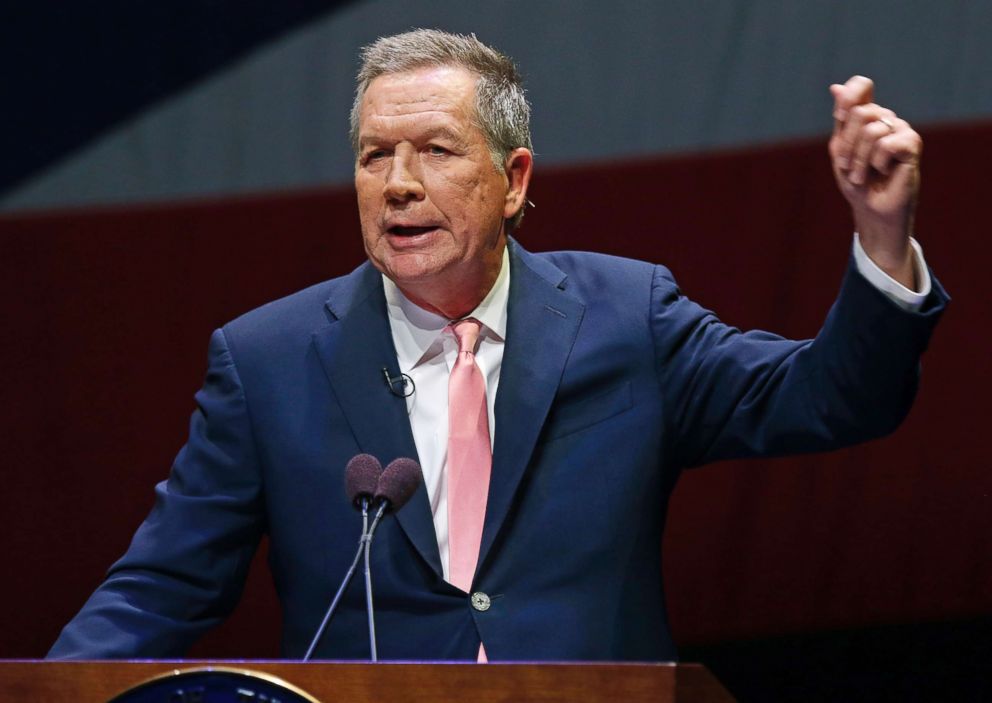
column 403, row 181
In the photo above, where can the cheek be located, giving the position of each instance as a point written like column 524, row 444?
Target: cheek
column 449, row 186
column 461, row 195
column 368, row 219
column 368, row 214
column 368, row 188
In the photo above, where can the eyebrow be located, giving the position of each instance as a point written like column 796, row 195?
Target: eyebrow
column 426, row 135
column 441, row 131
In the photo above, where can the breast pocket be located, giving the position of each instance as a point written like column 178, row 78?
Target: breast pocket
column 584, row 411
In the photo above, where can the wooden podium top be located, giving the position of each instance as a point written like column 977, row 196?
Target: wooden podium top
column 340, row 682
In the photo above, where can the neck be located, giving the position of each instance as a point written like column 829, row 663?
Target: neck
column 446, row 302
column 454, row 298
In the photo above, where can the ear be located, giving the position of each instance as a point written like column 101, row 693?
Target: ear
column 519, row 166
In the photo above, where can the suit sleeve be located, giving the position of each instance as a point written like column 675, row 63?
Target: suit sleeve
column 734, row 394
column 187, row 563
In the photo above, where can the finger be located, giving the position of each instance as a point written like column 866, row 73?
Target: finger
column 858, row 90
column 846, row 138
column 865, row 148
column 839, row 114
column 852, row 133
column 903, row 146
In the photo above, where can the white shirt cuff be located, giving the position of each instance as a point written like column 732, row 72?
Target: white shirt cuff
column 899, row 294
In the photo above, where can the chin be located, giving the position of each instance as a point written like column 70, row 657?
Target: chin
column 410, row 272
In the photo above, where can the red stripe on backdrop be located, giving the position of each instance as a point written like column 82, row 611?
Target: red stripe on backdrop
column 107, row 314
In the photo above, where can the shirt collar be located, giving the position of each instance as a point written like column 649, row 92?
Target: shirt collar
column 416, row 330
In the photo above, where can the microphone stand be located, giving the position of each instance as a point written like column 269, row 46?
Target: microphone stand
column 362, row 546
column 394, row 487
column 368, row 576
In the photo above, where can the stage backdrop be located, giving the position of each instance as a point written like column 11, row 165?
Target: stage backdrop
column 106, row 316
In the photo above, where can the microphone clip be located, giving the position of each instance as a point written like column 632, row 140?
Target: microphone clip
column 401, row 386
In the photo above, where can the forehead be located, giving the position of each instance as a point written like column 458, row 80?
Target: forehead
column 426, row 94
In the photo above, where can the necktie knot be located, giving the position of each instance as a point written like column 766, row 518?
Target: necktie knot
column 467, row 333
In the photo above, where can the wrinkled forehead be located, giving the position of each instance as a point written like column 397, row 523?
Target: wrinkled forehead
column 449, row 89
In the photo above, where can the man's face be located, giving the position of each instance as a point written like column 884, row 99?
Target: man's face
column 431, row 201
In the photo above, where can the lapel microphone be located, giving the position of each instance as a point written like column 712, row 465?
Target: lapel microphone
column 401, row 386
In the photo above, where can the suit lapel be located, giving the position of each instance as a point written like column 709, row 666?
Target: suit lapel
column 542, row 323
column 353, row 350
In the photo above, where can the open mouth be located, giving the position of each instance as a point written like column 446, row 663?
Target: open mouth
column 404, row 231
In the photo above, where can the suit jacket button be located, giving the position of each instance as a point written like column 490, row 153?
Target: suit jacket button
column 480, row 601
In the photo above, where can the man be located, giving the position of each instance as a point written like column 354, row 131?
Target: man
column 591, row 379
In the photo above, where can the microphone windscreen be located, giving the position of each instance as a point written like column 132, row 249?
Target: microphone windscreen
column 399, row 481
column 361, row 477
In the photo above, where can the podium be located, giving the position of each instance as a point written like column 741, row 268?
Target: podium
column 349, row 682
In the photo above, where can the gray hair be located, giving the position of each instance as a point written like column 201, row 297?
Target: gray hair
column 501, row 109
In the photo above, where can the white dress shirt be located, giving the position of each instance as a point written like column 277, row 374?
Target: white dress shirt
column 902, row 296
column 426, row 353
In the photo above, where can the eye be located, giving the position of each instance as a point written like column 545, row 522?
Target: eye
column 373, row 155
column 437, row 150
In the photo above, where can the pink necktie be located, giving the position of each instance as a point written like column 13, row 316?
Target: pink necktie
column 469, row 459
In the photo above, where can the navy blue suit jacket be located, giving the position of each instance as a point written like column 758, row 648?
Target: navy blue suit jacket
column 611, row 383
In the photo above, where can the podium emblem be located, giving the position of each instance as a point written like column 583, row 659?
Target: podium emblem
column 214, row 685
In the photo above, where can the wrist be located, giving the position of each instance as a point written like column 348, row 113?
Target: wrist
column 892, row 253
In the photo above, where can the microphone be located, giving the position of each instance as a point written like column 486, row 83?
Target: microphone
column 397, row 484
column 361, row 479
column 403, row 380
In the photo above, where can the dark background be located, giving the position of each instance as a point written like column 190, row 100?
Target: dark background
column 859, row 575
column 856, row 575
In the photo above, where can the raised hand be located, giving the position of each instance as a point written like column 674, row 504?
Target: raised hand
column 876, row 162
